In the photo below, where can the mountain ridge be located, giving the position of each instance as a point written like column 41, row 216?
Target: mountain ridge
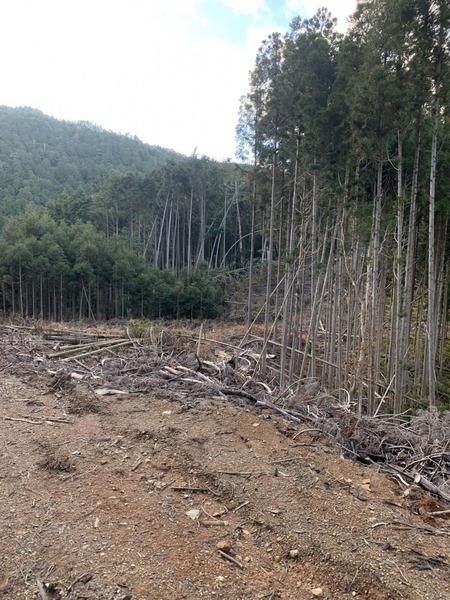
column 42, row 157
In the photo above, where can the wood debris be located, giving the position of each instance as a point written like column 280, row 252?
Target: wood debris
column 414, row 449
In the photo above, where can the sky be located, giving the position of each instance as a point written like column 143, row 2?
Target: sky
column 170, row 72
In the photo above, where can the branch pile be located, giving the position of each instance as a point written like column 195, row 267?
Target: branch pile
column 415, row 449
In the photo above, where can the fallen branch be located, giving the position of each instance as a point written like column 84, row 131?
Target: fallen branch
column 231, row 559
column 276, row 408
column 29, row 421
column 103, row 349
column 296, row 350
column 425, row 528
column 418, row 480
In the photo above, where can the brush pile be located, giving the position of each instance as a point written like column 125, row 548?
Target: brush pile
column 413, row 448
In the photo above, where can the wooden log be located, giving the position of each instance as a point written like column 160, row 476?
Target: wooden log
column 83, row 347
column 92, row 352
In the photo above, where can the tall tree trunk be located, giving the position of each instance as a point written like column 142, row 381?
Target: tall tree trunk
column 374, row 284
column 251, row 261
column 431, row 321
column 288, row 287
column 395, row 352
column 20, row 289
column 189, row 240
column 158, row 248
column 408, row 286
column 269, row 262
column 239, row 224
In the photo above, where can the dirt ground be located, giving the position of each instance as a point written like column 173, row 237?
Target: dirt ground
column 131, row 496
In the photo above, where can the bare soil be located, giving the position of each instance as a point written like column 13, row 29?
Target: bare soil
column 94, row 508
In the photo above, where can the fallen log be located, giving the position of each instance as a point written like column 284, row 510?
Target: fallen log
column 296, row 350
column 83, row 347
column 102, row 349
column 420, row 480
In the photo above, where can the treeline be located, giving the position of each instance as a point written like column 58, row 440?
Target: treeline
column 187, row 212
column 350, row 143
column 42, row 157
column 121, row 242
column 52, row 269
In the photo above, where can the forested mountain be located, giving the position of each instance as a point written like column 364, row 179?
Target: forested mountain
column 101, row 225
column 42, row 157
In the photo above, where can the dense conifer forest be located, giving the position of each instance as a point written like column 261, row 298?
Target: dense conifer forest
column 99, row 225
column 42, row 158
column 351, row 136
column 340, row 206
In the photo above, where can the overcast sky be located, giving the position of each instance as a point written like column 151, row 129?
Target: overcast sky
column 169, row 71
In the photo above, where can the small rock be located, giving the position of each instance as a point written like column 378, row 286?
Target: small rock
column 193, row 514
column 317, row 592
column 224, row 545
column 167, row 412
column 293, row 553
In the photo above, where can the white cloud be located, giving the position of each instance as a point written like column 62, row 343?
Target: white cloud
column 145, row 67
column 341, row 9
column 252, row 8
column 136, row 66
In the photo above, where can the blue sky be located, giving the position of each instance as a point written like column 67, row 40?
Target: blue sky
column 169, row 71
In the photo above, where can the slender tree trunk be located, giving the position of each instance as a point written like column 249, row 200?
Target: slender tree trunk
column 239, row 224
column 289, row 288
column 431, row 321
column 13, row 303
column 396, row 351
column 408, row 286
column 158, row 248
column 169, row 237
column 224, row 227
column 251, row 261
column 41, row 286
column 375, row 292
column 20, row 289
column 189, row 241
column 269, row 262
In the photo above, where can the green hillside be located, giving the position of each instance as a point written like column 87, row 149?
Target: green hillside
column 40, row 157
column 97, row 224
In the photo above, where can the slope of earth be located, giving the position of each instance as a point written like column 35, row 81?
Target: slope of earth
column 132, row 497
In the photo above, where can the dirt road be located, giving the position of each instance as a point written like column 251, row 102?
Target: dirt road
column 95, row 507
